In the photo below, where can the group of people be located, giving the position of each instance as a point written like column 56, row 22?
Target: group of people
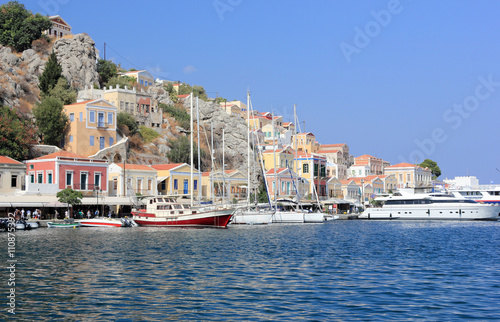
column 25, row 215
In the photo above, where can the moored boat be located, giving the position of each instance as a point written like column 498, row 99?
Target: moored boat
column 166, row 212
column 63, row 224
column 435, row 206
column 252, row 217
column 101, row 222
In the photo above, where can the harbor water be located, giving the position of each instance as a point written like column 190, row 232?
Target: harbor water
column 341, row 270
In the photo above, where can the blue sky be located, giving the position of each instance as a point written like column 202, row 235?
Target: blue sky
column 400, row 80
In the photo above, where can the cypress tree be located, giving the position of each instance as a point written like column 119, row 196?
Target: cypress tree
column 51, row 74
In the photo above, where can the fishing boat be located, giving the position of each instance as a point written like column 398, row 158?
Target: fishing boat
column 433, row 206
column 164, row 212
column 63, row 224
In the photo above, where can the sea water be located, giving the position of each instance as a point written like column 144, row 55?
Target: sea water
column 340, row 270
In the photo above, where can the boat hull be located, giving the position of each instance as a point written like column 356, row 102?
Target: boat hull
column 288, row 217
column 473, row 212
column 62, row 225
column 218, row 219
column 252, row 218
column 101, row 222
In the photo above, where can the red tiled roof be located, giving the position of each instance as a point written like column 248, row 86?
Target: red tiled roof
column 402, row 165
column 183, row 95
column 5, row 159
column 129, row 166
column 62, row 154
column 332, row 145
column 329, row 151
column 83, row 102
column 278, row 170
column 168, row 166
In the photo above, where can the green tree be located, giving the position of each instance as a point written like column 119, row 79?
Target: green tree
column 51, row 120
column 198, row 91
column 432, row 165
column 178, row 113
column 181, row 153
column 63, row 92
column 19, row 27
column 121, row 81
column 106, row 69
column 17, row 134
column 262, row 193
column 148, row 134
column 125, row 119
column 50, row 75
column 70, row 197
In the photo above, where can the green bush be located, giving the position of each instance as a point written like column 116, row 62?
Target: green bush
column 148, row 134
column 178, row 113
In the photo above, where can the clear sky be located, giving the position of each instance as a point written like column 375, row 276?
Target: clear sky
column 400, row 80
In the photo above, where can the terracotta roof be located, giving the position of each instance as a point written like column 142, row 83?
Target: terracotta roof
column 5, row 159
column 402, row 165
column 333, row 145
column 83, row 102
column 278, row 170
column 168, row 166
column 183, row 95
column 329, row 151
column 62, row 154
column 129, row 166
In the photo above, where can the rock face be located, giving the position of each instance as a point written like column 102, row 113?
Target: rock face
column 19, row 76
column 77, row 57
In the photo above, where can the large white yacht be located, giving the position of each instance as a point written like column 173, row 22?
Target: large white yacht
column 483, row 195
column 433, row 206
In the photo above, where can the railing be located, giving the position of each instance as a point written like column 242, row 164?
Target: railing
column 102, row 125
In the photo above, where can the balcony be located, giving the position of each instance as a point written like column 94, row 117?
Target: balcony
column 102, row 125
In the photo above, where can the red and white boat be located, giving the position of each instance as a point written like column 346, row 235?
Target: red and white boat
column 165, row 212
column 103, row 222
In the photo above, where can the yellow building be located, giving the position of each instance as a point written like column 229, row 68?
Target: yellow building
column 92, row 127
column 173, row 179
column 410, row 175
column 139, row 179
column 60, row 28
column 234, row 181
column 284, row 158
column 305, row 142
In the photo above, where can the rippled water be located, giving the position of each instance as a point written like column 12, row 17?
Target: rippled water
column 342, row 270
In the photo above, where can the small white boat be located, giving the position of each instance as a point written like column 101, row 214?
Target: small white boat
column 64, row 224
column 101, row 222
column 33, row 224
column 253, row 216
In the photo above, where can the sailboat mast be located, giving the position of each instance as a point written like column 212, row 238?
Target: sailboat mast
column 212, row 158
column 191, row 149
column 223, row 169
column 274, row 156
column 199, row 160
column 248, row 149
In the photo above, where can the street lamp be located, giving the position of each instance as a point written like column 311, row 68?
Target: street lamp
column 363, row 193
column 96, row 190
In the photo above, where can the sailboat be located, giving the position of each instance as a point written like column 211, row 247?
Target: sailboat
column 291, row 211
column 252, row 215
column 166, row 212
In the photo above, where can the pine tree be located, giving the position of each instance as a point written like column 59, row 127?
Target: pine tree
column 17, row 134
column 51, row 120
column 51, row 74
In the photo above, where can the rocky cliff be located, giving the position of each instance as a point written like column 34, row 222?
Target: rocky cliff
column 19, row 71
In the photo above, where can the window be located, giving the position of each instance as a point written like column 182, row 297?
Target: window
column 69, row 179
column 13, row 181
column 81, row 116
column 150, row 184
column 408, row 176
column 71, row 117
column 83, row 181
column 126, row 106
column 32, row 177
column 142, row 82
column 102, row 142
column 91, row 140
column 92, row 117
column 39, row 178
column 175, row 184
column 316, row 169
column 305, row 168
column 163, row 185
column 71, row 138
column 282, row 186
column 100, row 120
column 274, row 186
column 110, row 118
column 49, row 177
column 195, row 186
column 139, row 185
column 115, row 184
column 97, row 180
column 111, row 141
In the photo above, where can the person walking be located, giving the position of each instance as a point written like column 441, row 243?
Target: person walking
column 89, row 214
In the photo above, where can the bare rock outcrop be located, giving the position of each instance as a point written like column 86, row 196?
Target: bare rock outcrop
column 77, row 57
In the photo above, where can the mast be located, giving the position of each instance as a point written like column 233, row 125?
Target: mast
column 199, row 160
column 191, row 149
column 274, row 156
column 223, row 169
column 248, row 149
column 212, row 158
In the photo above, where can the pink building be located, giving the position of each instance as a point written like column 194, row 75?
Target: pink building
column 57, row 171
